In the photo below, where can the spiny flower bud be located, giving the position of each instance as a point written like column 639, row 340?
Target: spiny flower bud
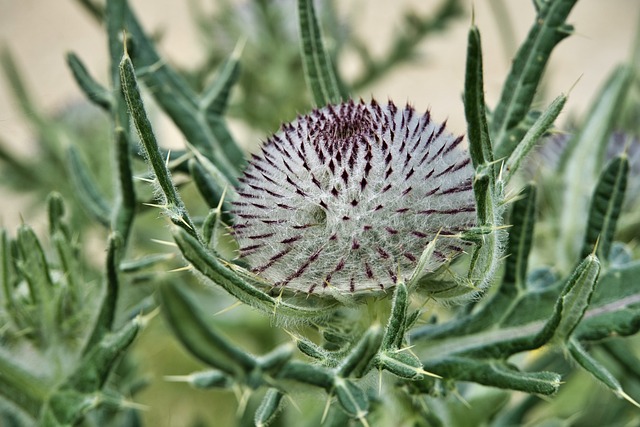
column 347, row 198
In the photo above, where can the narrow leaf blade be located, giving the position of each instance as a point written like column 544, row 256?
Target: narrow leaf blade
column 319, row 72
column 495, row 374
column 173, row 203
column 355, row 364
column 269, row 407
column 533, row 135
column 352, row 398
column 520, row 240
column 93, row 90
column 474, row 104
column 583, row 158
column 526, row 72
column 87, row 190
column 576, row 297
column 198, row 337
column 606, row 205
column 106, row 314
column 206, row 131
column 244, row 287
column 597, row 370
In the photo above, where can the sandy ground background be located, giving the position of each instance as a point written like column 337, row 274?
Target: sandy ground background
column 40, row 32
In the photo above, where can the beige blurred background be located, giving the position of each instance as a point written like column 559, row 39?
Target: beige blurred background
column 40, row 32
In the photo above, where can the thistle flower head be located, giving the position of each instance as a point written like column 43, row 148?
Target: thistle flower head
column 347, row 198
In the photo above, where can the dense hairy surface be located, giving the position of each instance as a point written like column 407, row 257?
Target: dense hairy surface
column 347, row 198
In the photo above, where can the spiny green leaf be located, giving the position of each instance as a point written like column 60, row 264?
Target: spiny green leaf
column 583, row 158
column 558, row 325
column 308, row 374
column 246, row 289
column 202, row 341
column 205, row 379
column 34, row 268
column 523, row 216
column 486, row 188
column 624, row 353
column 93, row 90
column 402, row 364
column 614, row 310
column 494, row 374
column 606, row 205
column 526, row 329
column 204, row 130
column 97, row 363
column 21, row 387
column 174, row 205
column 355, row 364
column 215, row 96
column 66, row 407
column 576, row 297
column 598, row 371
column 533, row 135
column 505, row 300
column 125, row 203
column 474, row 104
column 615, row 305
column 107, row 311
column 526, row 72
column 135, row 265
column 9, row 302
column 352, row 398
column 87, row 189
column 210, row 190
column 319, row 72
column 275, row 360
column 269, row 407
column 397, row 323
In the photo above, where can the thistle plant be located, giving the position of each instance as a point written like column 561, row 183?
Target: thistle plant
column 404, row 274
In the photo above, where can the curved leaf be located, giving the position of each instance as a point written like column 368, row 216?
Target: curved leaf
column 526, row 72
column 202, row 341
column 606, row 205
column 319, row 71
column 242, row 286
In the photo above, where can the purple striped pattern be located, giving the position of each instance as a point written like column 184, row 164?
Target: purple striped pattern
column 347, row 198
